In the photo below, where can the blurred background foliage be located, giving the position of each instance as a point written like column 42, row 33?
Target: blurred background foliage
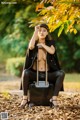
column 63, row 19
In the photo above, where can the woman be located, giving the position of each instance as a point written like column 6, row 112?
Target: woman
column 42, row 43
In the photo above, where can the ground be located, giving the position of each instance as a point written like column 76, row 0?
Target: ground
column 69, row 103
column 69, row 108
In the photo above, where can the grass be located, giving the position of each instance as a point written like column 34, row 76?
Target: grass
column 72, row 77
column 72, row 82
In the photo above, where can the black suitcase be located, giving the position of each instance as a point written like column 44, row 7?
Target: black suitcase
column 40, row 92
column 40, row 96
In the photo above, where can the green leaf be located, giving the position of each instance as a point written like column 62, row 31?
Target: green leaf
column 60, row 30
column 77, row 54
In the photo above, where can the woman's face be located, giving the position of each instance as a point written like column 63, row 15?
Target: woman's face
column 42, row 32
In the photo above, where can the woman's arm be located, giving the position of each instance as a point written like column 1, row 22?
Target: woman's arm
column 34, row 38
column 50, row 49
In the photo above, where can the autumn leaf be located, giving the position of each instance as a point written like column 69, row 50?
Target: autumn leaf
column 39, row 6
column 69, row 104
column 57, row 13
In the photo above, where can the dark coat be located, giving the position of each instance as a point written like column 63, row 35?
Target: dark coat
column 52, row 59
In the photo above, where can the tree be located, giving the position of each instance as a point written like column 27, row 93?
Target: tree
column 14, row 27
column 63, row 19
column 61, row 14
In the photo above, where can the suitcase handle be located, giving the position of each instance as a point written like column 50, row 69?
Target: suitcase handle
column 42, row 83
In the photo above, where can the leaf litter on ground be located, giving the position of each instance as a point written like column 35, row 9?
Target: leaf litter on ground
column 69, row 108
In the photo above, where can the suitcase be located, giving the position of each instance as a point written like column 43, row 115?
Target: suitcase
column 40, row 92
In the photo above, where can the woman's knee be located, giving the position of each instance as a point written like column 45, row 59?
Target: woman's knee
column 61, row 73
column 25, row 73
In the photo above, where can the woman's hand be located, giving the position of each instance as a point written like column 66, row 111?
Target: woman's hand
column 50, row 49
column 40, row 45
column 37, row 28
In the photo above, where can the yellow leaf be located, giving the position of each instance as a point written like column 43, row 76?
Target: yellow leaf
column 6, row 95
column 75, row 31
column 64, row 18
column 39, row 6
column 71, row 30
